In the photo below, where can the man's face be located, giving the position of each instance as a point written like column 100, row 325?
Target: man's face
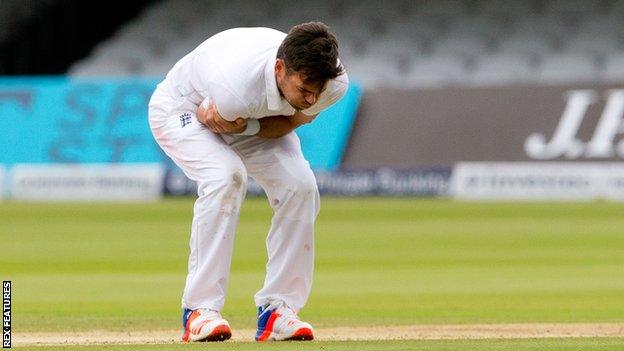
column 292, row 86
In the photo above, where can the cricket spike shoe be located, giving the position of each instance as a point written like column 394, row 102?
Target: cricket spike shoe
column 279, row 322
column 204, row 325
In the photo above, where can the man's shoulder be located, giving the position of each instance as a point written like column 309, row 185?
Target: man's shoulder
column 240, row 51
column 236, row 43
column 237, row 54
column 255, row 35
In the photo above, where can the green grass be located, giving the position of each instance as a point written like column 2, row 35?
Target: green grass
column 379, row 261
column 587, row 344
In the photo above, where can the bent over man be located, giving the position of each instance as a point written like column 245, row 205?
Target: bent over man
column 228, row 110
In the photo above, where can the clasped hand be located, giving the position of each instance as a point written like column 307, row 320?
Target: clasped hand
column 211, row 118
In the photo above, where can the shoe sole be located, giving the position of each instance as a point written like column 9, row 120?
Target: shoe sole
column 303, row 334
column 220, row 333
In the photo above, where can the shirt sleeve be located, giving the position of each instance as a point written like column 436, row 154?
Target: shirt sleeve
column 336, row 88
column 213, row 86
column 230, row 107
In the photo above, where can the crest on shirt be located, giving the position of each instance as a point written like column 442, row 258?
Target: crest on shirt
column 185, row 119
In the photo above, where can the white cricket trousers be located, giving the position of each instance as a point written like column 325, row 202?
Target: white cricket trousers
column 220, row 166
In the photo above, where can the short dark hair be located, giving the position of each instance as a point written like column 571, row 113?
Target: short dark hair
column 312, row 50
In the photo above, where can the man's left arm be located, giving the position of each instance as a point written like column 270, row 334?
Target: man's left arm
column 277, row 126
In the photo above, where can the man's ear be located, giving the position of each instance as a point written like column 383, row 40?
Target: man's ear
column 279, row 65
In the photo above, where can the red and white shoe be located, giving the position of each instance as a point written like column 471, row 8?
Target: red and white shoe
column 204, row 325
column 279, row 322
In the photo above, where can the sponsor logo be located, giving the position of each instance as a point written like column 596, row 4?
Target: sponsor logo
column 565, row 143
column 352, row 182
column 105, row 182
column 538, row 180
column 185, row 119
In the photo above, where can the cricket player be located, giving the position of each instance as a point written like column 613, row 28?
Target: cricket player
column 226, row 111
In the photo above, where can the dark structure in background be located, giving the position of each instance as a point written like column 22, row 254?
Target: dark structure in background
column 47, row 36
column 444, row 126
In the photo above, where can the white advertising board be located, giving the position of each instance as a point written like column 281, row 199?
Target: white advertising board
column 538, row 181
column 87, row 182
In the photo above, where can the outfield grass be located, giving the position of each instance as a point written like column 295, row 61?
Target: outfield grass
column 588, row 344
column 379, row 261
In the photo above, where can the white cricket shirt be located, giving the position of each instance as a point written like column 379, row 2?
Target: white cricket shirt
column 236, row 70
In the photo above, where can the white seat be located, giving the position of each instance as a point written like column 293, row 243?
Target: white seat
column 158, row 68
column 241, row 13
column 450, row 8
column 460, row 45
column 105, row 68
column 525, row 44
column 480, row 26
column 390, row 46
column 602, row 24
column 617, row 8
column 544, row 26
column 567, row 68
column 598, row 35
column 519, row 8
column 503, row 69
column 592, row 44
column 396, row 52
column 570, row 6
column 416, row 29
column 391, row 10
column 372, row 72
column 613, row 67
column 435, row 71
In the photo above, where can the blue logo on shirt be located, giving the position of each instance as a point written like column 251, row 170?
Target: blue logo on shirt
column 185, row 119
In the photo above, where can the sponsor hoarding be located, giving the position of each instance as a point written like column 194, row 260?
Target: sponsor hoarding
column 385, row 181
column 538, row 181
column 62, row 120
column 441, row 127
column 355, row 182
column 95, row 182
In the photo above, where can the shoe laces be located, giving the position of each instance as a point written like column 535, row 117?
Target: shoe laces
column 282, row 308
column 210, row 314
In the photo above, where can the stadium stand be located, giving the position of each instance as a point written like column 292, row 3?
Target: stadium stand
column 401, row 44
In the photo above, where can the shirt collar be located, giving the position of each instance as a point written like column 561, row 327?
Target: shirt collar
column 274, row 99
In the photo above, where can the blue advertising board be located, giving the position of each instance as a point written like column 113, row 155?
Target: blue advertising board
column 350, row 182
column 63, row 120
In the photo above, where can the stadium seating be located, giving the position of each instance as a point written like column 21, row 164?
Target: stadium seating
column 403, row 43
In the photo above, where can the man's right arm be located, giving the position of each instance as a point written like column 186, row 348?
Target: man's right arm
column 212, row 119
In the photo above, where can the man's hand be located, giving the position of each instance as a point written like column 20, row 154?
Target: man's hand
column 211, row 118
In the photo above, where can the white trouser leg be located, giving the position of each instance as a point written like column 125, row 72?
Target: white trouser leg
column 279, row 167
column 221, row 177
column 215, row 216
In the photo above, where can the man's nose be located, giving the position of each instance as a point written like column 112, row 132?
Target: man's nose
column 310, row 99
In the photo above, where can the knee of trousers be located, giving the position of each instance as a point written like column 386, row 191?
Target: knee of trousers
column 303, row 186
column 224, row 188
column 299, row 197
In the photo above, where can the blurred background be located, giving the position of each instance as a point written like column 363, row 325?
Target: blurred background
column 449, row 100
column 461, row 98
